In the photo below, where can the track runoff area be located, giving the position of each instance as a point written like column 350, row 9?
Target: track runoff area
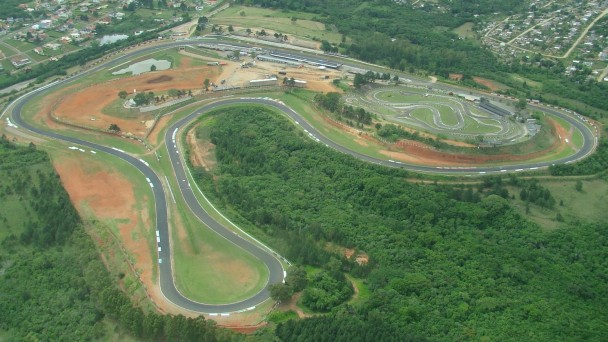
column 271, row 259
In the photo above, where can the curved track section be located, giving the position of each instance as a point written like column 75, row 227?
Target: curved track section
column 167, row 285
column 264, row 255
column 318, row 137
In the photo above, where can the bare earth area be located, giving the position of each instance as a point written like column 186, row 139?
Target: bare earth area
column 107, row 195
column 485, row 82
column 201, row 152
column 419, row 153
column 86, row 107
column 234, row 75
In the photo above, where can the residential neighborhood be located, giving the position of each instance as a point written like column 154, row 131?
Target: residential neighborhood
column 48, row 29
column 573, row 32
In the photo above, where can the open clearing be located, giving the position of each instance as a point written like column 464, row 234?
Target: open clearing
column 98, row 105
column 277, row 21
column 586, row 205
column 465, row 30
column 97, row 97
column 101, row 192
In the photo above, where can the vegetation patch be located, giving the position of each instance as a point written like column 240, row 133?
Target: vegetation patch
column 419, row 239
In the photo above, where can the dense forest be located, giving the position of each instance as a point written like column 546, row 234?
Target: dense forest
column 413, row 39
column 445, row 263
column 53, row 284
column 9, row 8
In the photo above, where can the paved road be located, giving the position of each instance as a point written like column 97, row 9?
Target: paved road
column 276, row 273
column 317, row 136
column 167, row 285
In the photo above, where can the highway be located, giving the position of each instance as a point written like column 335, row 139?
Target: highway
column 276, row 271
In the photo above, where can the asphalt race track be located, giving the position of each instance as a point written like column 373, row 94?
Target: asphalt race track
column 269, row 258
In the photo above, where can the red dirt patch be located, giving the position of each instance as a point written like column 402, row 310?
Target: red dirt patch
column 105, row 194
column 95, row 98
column 201, row 151
column 419, row 153
column 487, row 83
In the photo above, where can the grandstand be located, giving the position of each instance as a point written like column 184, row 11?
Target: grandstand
column 304, row 59
column 494, row 109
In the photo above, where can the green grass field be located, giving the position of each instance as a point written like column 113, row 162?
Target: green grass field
column 587, row 205
column 577, row 136
column 207, row 266
column 362, row 293
column 7, row 65
column 473, row 127
column 117, row 109
column 278, row 21
column 333, row 133
column 7, row 51
column 577, row 139
column 448, row 117
column 21, row 46
column 465, row 30
column 395, row 97
column 423, row 114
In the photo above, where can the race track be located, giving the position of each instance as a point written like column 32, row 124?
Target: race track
column 276, row 271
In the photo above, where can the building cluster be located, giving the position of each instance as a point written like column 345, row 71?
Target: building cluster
column 550, row 30
column 46, row 27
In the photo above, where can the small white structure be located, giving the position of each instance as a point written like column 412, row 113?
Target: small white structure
column 264, row 82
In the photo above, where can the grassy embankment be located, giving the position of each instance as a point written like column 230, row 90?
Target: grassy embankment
column 280, row 21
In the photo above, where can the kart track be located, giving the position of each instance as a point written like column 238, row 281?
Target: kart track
column 263, row 253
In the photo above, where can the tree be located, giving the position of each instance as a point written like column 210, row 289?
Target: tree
column 153, row 67
column 290, row 82
column 114, row 128
column 359, row 81
column 521, row 104
column 579, row 186
column 142, row 99
column 297, row 278
column 122, row 94
column 230, row 28
column 202, row 23
column 173, row 92
column 248, row 31
column 281, row 292
column 242, row 13
column 236, row 54
column 206, row 84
